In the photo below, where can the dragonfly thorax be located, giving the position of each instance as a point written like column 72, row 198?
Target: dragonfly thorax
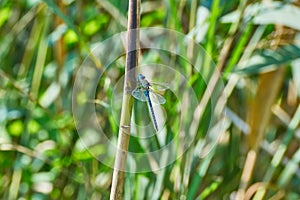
column 143, row 83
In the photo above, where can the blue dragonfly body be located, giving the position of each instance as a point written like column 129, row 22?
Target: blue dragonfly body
column 143, row 92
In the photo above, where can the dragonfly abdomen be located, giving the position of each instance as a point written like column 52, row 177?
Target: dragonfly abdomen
column 146, row 92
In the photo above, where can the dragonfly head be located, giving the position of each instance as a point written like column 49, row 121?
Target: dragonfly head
column 141, row 77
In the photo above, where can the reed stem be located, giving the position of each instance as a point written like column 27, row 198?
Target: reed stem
column 129, row 83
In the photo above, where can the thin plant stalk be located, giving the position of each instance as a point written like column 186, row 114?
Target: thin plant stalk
column 124, row 131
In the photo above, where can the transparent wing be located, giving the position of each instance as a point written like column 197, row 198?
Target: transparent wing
column 159, row 86
column 157, row 98
column 139, row 94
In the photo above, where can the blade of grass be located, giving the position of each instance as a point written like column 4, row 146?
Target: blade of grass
column 210, row 189
column 141, row 184
column 20, row 25
column 239, row 48
column 294, row 123
column 160, row 177
column 194, row 186
column 290, row 170
column 198, row 177
column 15, row 184
column 71, row 25
column 65, row 18
column 19, row 89
column 41, row 56
column 113, row 11
column 260, row 108
column 187, row 170
column 233, row 80
column 32, row 43
column 174, row 21
column 232, row 31
column 215, row 12
column 38, row 71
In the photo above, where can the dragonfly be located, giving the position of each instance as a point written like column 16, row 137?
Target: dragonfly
column 145, row 92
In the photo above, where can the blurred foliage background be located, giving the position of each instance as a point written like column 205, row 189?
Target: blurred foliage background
column 255, row 44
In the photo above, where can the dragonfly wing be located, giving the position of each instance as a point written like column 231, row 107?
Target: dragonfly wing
column 139, row 94
column 159, row 86
column 157, row 98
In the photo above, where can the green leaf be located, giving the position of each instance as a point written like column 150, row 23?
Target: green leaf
column 4, row 15
column 16, row 128
column 268, row 60
column 90, row 153
column 280, row 14
column 135, row 146
column 70, row 37
column 210, row 189
column 33, row 126
column 270, row 13
column 65, row 18
column 153, row 18
column 91, row 27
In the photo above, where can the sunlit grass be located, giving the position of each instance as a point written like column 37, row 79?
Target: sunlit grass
column 257, row 148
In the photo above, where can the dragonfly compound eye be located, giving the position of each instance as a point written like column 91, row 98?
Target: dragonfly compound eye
column 141, row 77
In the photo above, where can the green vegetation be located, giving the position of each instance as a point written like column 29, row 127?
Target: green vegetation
column 236, row 137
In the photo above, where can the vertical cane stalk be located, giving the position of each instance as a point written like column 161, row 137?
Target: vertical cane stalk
column 124, row 131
